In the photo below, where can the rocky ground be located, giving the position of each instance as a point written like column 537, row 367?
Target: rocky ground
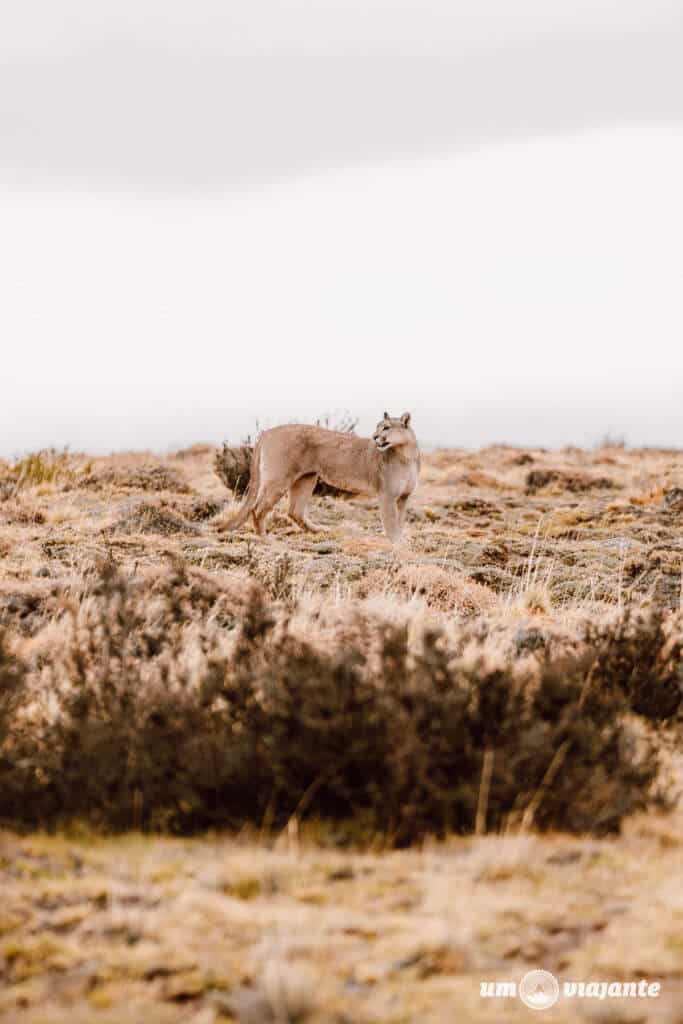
column 527, row 546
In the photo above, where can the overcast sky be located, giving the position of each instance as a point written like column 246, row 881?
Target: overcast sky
column 213, row 212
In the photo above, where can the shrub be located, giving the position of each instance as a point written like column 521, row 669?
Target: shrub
column 576, row 483
column 146, row 477
column 12, row 691
column 12, row 681
column 147, row 517
column 167, row 721
column 641, row 656
column 233, row 466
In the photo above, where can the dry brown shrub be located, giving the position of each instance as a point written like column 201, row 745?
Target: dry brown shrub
column 12, row 682
column 440, row 589
column 147, row 477
column 474, row 478
column 26, row 607
column 672, row 499
column 233, row 466
column 477, row 507
column 558, row 480
column 21, row 512
column 642, row 654
column 194, row 596
column 447, row 458
column 202, row 509
column 193, row 451
column 146, row 517
column 156, row 721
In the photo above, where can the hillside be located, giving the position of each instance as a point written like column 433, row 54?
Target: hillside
column 397, row 772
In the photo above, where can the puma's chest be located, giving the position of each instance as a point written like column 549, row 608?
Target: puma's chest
column 401, row 480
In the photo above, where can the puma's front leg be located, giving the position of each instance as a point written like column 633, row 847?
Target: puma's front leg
column 402, row 504
column 390, row 517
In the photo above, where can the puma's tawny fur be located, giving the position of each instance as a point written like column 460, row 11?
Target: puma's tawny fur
column 293, row 457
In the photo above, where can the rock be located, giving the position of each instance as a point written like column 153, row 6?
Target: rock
column 251, row 1006
column 325, row 548
column 622, row 543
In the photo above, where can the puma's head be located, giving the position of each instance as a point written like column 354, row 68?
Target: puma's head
column 392, row 432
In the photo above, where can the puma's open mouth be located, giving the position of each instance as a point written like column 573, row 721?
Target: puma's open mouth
column 382, row 445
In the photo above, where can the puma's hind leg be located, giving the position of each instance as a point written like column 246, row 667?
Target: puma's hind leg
column 300, row 493
column 266, row 502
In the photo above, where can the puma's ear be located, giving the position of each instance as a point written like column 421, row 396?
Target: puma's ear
column 405, row 419
column 386, row 416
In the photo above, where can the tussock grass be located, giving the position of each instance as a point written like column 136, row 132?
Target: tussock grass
column 44, row 467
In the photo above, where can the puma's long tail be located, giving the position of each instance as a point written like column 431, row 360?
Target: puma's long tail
column 252, row 492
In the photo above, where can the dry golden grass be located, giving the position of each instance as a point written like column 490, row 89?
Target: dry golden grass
column 241, row 929
column 136, row 928
column 476, row 543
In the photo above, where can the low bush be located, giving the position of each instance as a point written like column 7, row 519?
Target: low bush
column 575, row 483
column 12, row 681
column 146, row 477
column 641, row 657
column 232, row 465
column 147, row 517
column 161, row 716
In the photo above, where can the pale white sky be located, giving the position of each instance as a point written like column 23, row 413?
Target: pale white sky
column 321, row 26
column 511, row 272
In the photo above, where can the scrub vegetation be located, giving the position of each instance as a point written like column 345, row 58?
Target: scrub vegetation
column 327, row 779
